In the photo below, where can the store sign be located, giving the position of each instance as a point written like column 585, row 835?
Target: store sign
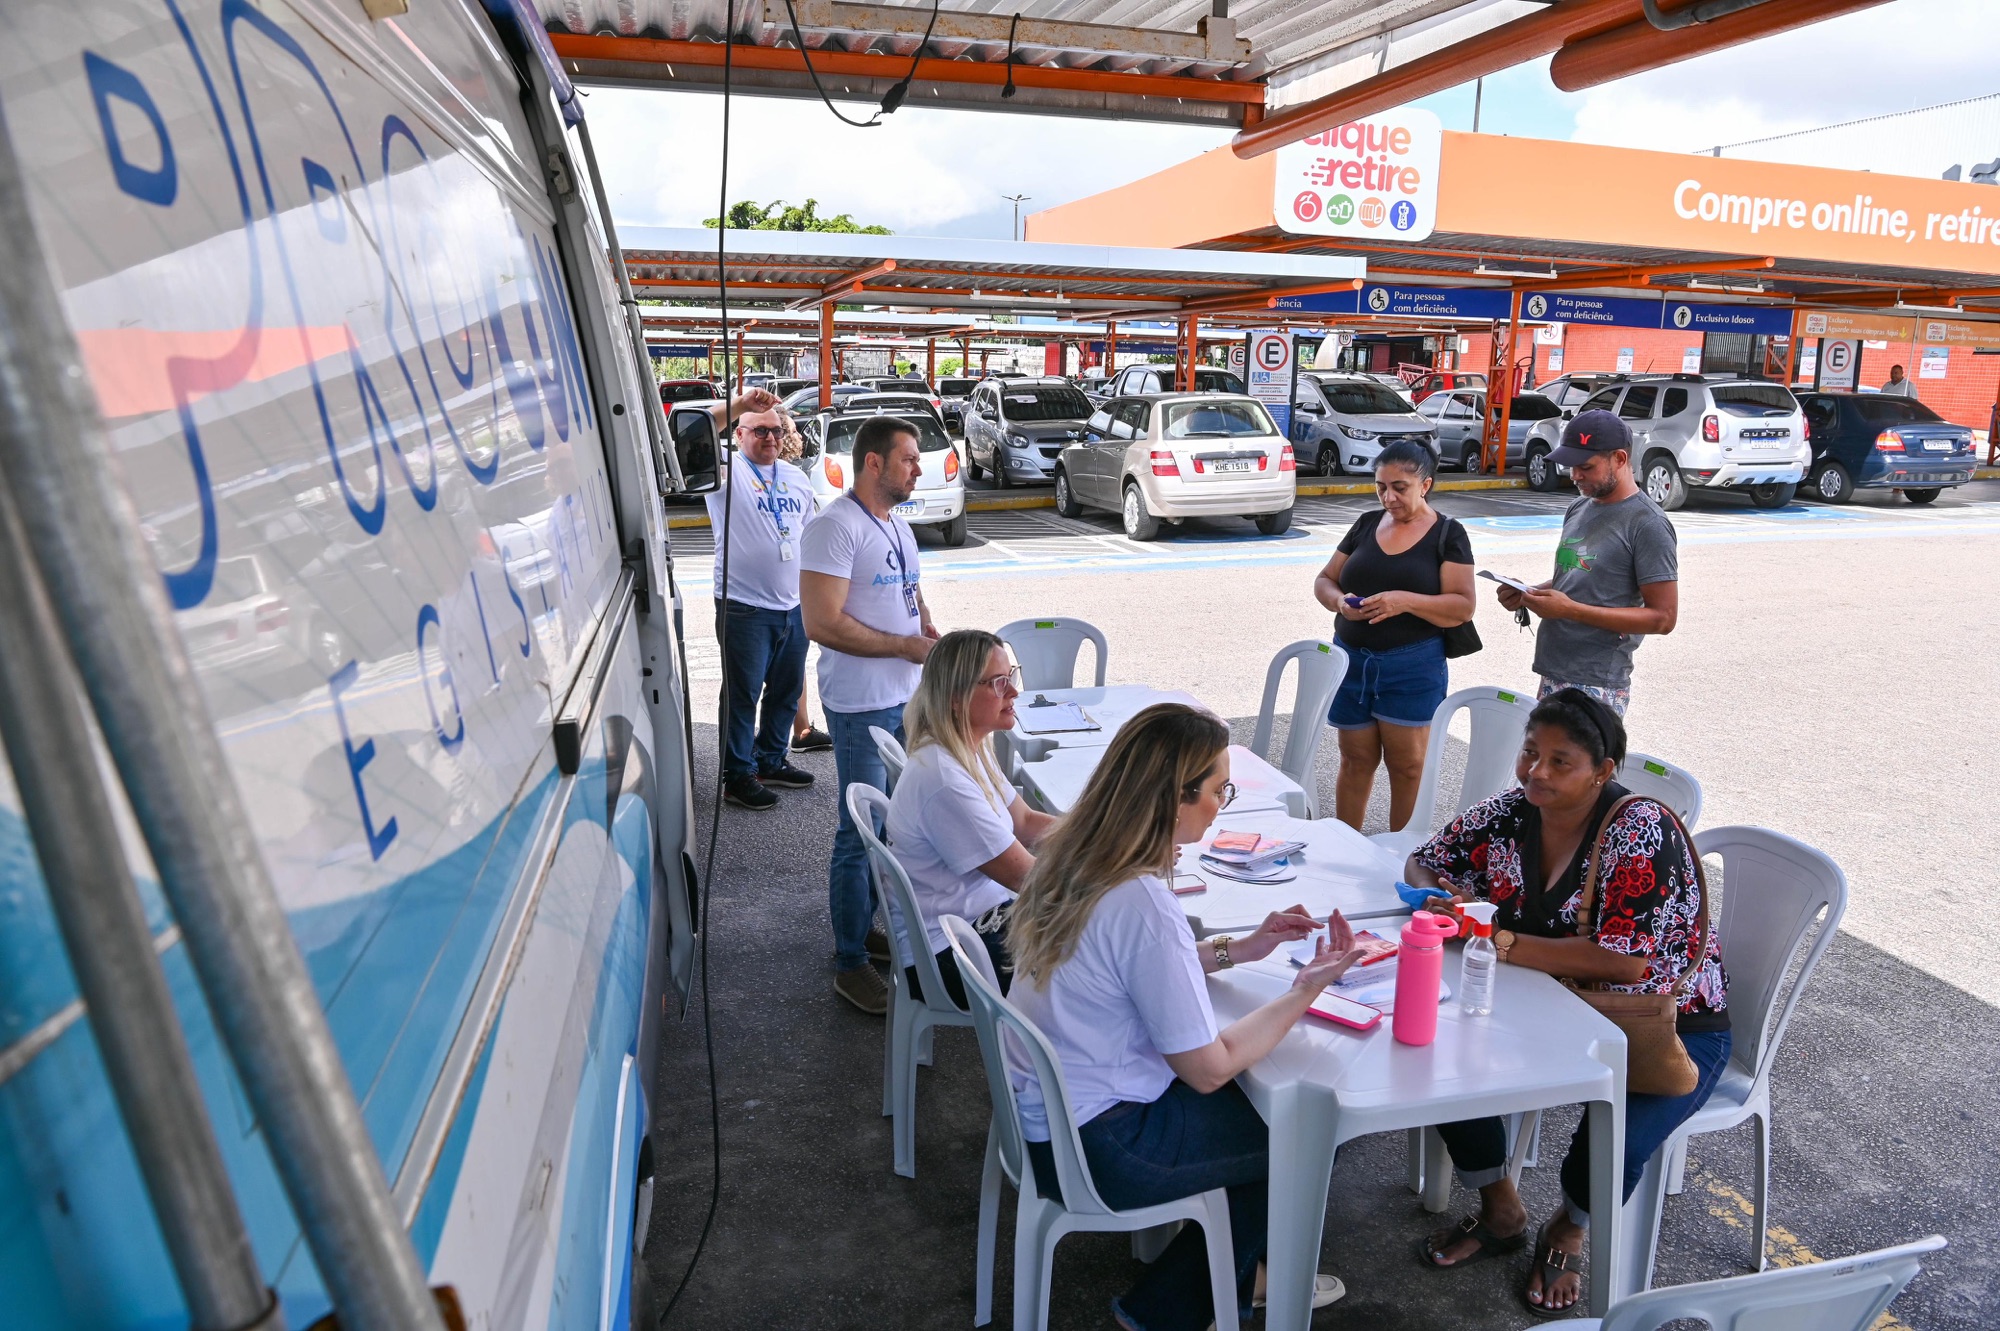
column 663, row 350
column 1405, row 302
column 1616, row 311
column 1847, row 324
column 1372, row 177
column 1935, row 362
column 1271, row 364
column 1954, row 333
column 1761, row 320
column 1839, row 360
column 1136, row 348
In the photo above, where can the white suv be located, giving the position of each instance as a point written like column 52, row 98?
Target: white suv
column 1722, row 433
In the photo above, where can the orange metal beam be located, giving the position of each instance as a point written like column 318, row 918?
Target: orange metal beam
column 1251, row 301
column 1510, row 44
column 1076, row 277
column 1586, row 62
column 654, row 51
column 1602, row 277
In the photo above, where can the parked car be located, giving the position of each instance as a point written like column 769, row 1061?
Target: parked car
column 896, row 403
column 939, row 500
column 1017, row 428
column 1690, row 431
column 1459, row 414
column 1866, row 441
column 1445, row 381
column 685, row 390
column 952, row 396
column 1394, row 383
column 1180, row 455
column 805, row 401
column 1136, row 379
column 1341, row 421
column 1570, row 391
column 784, row 388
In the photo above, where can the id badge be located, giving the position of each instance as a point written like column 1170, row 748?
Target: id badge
column 784, row 552
column 910, row 599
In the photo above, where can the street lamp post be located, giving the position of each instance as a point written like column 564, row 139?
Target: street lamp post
column 1017, row 200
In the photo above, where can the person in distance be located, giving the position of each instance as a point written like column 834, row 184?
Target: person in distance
column 1107, row 968
column 960, row 831
column 806, row 737
column 1410, row 568
column 1527, row 850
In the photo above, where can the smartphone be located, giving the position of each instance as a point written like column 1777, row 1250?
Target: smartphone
column 1345, row 1011
column 1353, row 602
column 1187, row 884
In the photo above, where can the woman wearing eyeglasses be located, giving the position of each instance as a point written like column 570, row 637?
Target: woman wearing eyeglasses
column 1108, row 969
column 960, row 831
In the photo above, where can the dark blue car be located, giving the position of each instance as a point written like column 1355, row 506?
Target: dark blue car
column 1868, row 440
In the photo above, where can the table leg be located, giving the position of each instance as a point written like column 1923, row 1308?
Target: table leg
column 1607, row 1192
column 1303, row 1138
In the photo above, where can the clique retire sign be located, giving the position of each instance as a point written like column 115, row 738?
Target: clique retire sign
column 1373, row 177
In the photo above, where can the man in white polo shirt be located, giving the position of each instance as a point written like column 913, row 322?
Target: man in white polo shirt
column 764, row 507
column 858, row 583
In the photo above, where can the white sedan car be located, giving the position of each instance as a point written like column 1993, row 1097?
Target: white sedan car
column 939, row 500
column 1168, row 456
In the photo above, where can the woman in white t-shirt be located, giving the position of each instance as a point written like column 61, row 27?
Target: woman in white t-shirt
column 1107, row 968
column 959, row 830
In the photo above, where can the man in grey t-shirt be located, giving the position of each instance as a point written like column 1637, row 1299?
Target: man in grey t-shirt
column 1617, row 569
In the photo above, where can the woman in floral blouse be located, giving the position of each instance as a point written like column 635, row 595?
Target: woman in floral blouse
column 1527, row 850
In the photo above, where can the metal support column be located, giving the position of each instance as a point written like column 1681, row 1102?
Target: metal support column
column 1792, row 348
column 739, row 360
column 1110, row 349
column 65, row 484
column 1500, row 380
column 930, row 362
column 965, row 356
column 825, row 355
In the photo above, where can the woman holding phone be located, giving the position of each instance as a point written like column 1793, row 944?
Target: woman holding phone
column 1108, row 969
column 1401, row 576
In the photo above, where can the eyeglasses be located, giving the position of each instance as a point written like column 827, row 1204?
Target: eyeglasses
column 1001, row 683
column 1228, row 793
column 763, row 434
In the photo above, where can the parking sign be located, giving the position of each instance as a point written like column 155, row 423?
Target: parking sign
column 1270, row 364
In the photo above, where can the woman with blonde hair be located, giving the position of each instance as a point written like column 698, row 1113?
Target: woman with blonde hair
column 1107, row 968
column 806, row 737
column 959, row 830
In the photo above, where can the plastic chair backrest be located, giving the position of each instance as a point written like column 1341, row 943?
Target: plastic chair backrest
column 892, row 753
column 1499, row 719
column 1773, row 890
column 896, row 901
column 1322, row 665
column 1843, row 1295
column 1046, row 650
column 997, row 1022
column 1656, row 778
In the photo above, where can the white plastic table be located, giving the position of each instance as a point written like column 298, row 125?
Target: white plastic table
column 1111, row 707
column 1340, row 869
column 1326, row 1084
column 1055, row 783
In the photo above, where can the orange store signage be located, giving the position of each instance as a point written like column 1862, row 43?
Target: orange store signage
column 1373, row 177
column 1870, row 327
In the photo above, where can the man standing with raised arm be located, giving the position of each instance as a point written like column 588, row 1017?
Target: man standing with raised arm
column 858, row 585
column 1617, row 570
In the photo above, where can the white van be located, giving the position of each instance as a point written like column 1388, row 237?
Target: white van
column 348, row 308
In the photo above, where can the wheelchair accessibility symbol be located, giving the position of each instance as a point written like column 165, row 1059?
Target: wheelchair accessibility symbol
column 1378, row 299
column 1537, row 306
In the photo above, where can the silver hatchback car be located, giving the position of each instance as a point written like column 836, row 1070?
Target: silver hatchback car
column 1170, row 456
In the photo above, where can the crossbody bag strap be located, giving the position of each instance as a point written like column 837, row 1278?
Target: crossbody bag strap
column 1588, row 913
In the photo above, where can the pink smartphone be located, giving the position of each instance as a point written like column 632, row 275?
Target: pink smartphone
column 1345, row 1011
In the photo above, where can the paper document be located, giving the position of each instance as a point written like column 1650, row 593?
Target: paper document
column 1505, row 581
column 1053, row 718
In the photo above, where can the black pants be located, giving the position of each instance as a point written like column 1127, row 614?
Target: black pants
column 992, row 930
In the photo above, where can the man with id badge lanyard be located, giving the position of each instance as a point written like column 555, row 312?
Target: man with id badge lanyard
column 765, row 505
column 858, row 579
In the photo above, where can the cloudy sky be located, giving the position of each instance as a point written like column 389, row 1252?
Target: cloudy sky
column 943, row 172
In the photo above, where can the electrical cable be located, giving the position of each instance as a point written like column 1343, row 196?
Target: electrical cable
column 1012, row 27
column 894, row 97
column 725, row 445
column 799, row 37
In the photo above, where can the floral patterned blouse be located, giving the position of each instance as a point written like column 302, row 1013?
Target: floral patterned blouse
column 1648, row 897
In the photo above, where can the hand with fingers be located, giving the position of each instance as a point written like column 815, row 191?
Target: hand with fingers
column 1280, row 926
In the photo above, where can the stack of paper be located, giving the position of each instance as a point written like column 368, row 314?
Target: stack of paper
column 1371, row 981
column 1042, row 717
column 1251, row 857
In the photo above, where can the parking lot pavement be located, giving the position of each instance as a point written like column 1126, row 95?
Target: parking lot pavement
column 1832, row 676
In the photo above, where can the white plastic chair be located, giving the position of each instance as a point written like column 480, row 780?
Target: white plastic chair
column 1843, row 1295
column 1499, row 718
column 892, row 753
column 1656, row 778
column 1040, row 1222
column 1046, row 650
column 1774, row 891
column 1322, row 665
column 906, row 1035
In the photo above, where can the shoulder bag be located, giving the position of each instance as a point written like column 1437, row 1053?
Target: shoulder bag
column 1656, row 1062
column 1459, row 639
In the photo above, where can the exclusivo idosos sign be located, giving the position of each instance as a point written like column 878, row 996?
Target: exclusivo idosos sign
column 1372, row 177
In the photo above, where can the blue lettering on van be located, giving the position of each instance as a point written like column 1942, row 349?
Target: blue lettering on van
column 326, row 203
column 572, row 355
column 527, row 633
column 485, row 629
column 359, row 757
column 536, row 301
column 156, row 185
column 427, row 618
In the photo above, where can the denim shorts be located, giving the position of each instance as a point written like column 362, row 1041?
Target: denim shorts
column 1402, row 686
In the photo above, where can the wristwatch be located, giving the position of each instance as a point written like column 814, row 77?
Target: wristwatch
column 1221, row 945
column 1503, row 943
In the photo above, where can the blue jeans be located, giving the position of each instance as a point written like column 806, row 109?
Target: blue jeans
column 1181, row 1144
column 1402, row 686
column 850, row 894
column 763, row 652
column 1479, row 1146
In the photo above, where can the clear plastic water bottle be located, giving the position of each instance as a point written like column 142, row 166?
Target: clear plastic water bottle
column 1475, row 976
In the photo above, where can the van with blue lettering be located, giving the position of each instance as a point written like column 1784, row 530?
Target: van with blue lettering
column 336, row 289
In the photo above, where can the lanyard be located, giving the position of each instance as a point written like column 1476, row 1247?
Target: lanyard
column 769, row 504
column 895, row 543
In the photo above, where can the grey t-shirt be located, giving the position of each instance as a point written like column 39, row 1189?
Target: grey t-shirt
column 1608, row 552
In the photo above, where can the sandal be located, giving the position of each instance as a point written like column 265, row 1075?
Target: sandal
column 1471, row 1227
column 1554, row 1263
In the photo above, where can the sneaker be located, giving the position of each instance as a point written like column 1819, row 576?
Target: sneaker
column 863, row 986
column 814, row 740
column 747, row 792
column 1326, row 1289
column 878, row 945
column 787, row 776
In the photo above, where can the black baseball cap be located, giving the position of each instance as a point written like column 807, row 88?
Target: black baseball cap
column 1591, row 434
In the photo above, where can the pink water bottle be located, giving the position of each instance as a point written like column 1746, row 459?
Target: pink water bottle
column 1419, row 968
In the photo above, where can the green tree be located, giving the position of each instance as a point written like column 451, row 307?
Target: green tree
column 778, row 215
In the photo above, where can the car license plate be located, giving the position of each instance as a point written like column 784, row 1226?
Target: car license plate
column 1938, row 445
column 1233, row 466
column 909, row 508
